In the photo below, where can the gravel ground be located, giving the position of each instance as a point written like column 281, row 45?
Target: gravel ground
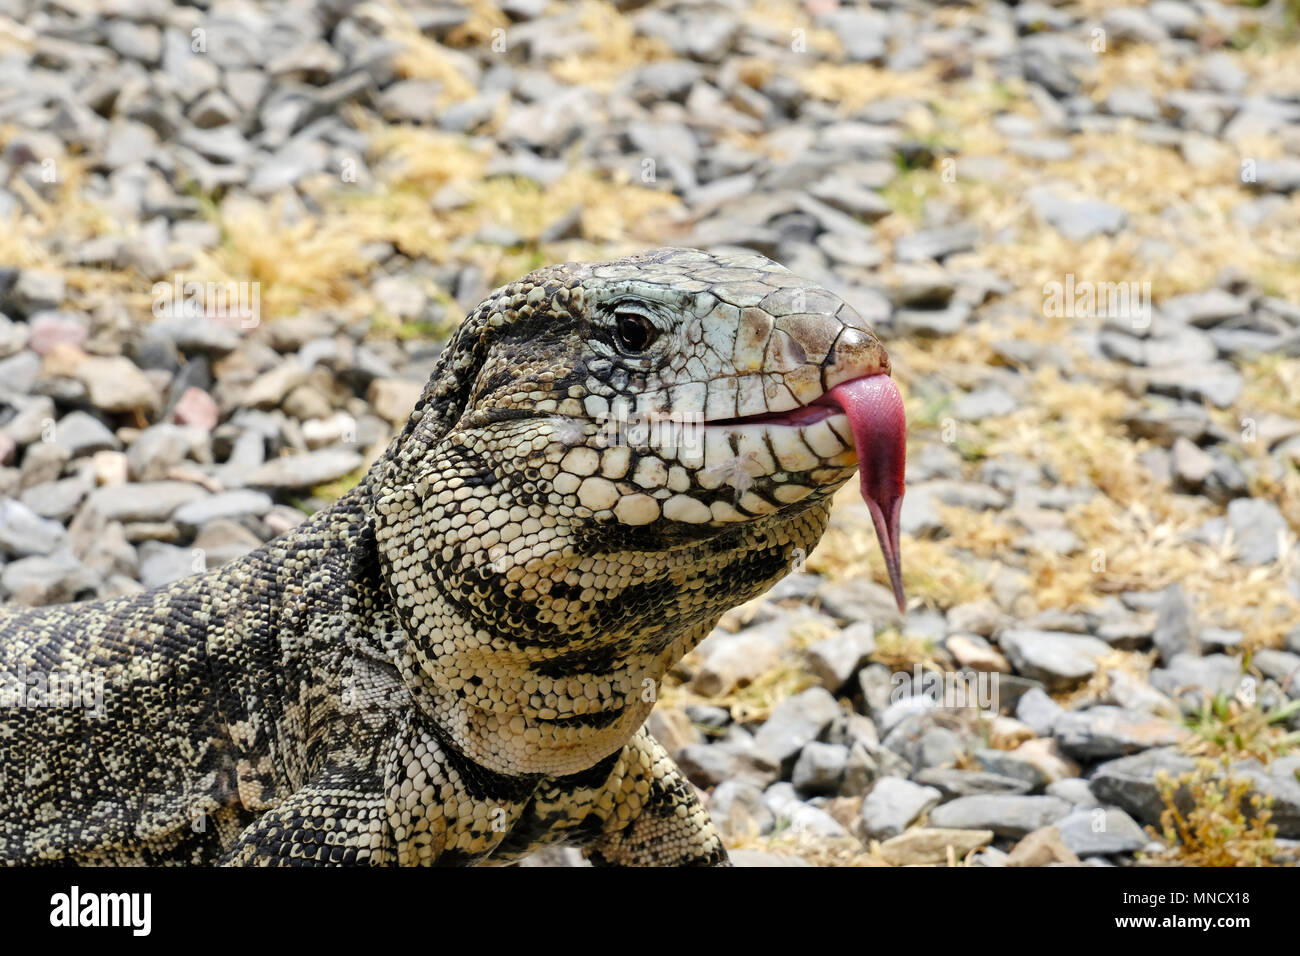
column 1073, row 223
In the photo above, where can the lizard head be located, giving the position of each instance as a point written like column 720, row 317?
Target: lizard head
column 609, row 456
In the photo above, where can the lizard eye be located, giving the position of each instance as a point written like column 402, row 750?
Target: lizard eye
column 635, row 332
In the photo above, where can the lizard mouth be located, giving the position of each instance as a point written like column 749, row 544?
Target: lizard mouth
column 820, row 410
column 593, row 720
column 874, row 409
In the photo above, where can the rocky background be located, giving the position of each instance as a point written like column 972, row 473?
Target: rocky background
column 1102, row 501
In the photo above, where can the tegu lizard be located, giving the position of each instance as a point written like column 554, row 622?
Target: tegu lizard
column 454, row 662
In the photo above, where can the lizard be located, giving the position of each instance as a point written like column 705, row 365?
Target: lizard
column 453, row 663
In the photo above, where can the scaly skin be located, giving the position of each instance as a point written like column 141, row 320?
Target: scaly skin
column 453, row 663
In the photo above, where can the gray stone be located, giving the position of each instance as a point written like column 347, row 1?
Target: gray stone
column 13, row 336
column 933, row 322
column 32, row 414
column 708, row 765
column 1132, row 25
column 820, row 768
column 953, row 782
column 1214, row 382
column 1217, row 71
column 162, row 563
column 1135, row 694
column 835, row 659
column 860, row 599
column 864, row 33
column 38, row 581
column 1044, row 150
column 35, row 291
column 1127, row 633
column 136, row 41
column 191, row 334
column 1132, row 101
column 1129, row 782
column 794, row 723
column 128, row 142
column 1221, row 639
column 735, row 660
column 737, row 810
column 1281, row 666
column 227, row 504
column 162, row 447
column 58, row 500
column 1164, row 421
column 1074, row 790
column 213, row 108
column 935, row 243
column 1007, row 815
column 1057, row 659
column 1279, row 783
column 1077, row 220
column 1277, row 175
column 222, row 541
column 800, row 817
column 1205, row 309
column 1096, row 832
column 1258, row 529
column 114, row 384
column 224, row 145
column 923, row 742
column 1180, row 19
column 106, row 551
column 306, row 470
column 24, row 533
column 984, row 403
column 1176, row 627
column 1112, row 731
column 1013, row 765
column 83, row 434
column 142, row 501
column 893, row 804
column 1190, row 679
column 850, row 197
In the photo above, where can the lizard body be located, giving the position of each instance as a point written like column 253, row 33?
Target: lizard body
column 453, row 663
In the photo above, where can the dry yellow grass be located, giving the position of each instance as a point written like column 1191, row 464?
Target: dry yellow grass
column 615, row 48
column 425, row 59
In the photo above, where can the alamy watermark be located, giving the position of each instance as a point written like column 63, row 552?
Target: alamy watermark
column 623, row 426
column 78, row 908
column 70, row 690
column 946, row 689
column 1107, row 300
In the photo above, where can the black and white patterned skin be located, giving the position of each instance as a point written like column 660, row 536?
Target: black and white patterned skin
column 454, row 662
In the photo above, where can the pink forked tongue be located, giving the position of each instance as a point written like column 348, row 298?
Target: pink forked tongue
column 875, row 412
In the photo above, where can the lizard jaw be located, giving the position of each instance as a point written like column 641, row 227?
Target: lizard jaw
column 799, row 417
column 873, row 411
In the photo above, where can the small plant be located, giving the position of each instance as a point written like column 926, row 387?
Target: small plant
column 1217, row 830
column 1226, row 727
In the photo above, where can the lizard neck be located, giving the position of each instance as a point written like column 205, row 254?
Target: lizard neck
column 531, row 674
column 305, row 600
